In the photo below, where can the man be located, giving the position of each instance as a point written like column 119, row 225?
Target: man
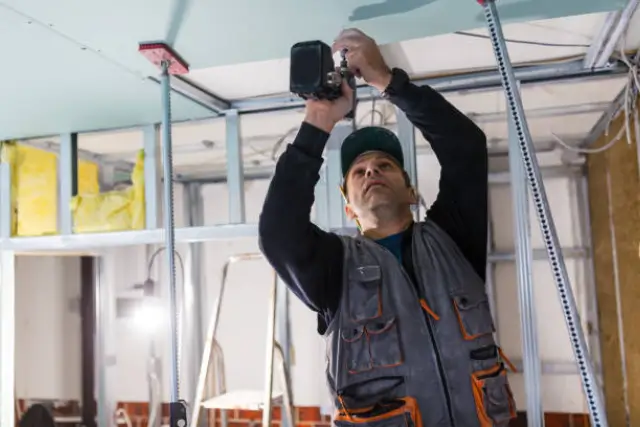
column 402, row 306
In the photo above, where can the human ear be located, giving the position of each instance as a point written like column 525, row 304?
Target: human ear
column 413, row 196
column 348, row 210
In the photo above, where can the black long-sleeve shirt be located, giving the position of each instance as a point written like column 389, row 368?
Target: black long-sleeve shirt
column 310, row 260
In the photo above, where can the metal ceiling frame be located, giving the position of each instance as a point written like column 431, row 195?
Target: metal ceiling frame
column 467, row 82
column 462, row 82
column 612, row 31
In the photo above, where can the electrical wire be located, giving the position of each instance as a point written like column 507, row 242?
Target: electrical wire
column 632, row 89
column 158, row 252
column 517, row 41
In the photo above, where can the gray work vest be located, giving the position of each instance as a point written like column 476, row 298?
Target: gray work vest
column 423, row 355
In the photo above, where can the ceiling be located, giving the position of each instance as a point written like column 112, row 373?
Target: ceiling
column 568, row 108
column 74, row 64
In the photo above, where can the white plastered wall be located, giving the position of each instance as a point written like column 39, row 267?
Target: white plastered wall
column 48, row 331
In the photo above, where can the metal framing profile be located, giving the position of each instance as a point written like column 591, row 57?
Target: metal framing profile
column 531, row 169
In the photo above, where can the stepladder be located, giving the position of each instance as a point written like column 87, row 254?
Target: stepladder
column 212, row 378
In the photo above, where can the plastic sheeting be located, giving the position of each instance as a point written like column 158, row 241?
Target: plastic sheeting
column 113, row 210
column 34, row 188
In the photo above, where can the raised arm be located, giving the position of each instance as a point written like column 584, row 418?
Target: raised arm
column 308, row 259
column 302, row 254
column 461, row 148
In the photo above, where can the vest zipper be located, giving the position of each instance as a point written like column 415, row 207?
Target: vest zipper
column 443, row 377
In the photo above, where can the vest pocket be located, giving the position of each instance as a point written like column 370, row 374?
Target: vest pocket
column 384, row 343
column 363, row 293
column 494, row 400
column 357, row 349
column 474, row 314
column 373, row 345
column 394, row 413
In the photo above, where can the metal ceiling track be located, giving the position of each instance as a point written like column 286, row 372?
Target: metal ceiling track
column 573, row 70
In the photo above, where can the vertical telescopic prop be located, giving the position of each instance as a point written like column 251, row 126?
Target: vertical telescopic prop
column 169, row 63
column 549, row 233
column 167, row 164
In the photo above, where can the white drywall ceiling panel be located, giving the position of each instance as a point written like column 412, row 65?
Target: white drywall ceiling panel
column 423, row 56
column 51, row 85
column 75, row 65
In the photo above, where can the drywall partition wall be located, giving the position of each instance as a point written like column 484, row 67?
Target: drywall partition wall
column 614, row 189
column 561, row 389
column 48, row 351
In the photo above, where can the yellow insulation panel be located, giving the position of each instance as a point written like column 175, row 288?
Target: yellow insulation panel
column 34, row 188
column 114, row 210
column 35, row 194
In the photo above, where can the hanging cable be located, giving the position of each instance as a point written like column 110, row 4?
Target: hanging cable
column 629, row 107
column 152, row 260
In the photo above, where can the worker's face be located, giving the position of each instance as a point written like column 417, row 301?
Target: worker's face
column 374, row 182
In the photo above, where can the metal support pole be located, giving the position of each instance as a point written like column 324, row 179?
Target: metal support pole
column 193, row 299
column 7, row 301
column 6, row 207
column 7, row 338
column 270, row 354
column 167, row 163
column 67, row 181
column 617, row 33
column 582, row 198
column 524, row 259
column 490, row 278
column 284, row 334
column 549, row 233
column 235, row 169
column 153, row 212
column 337, row 216
column 151, row 177
column 105, row 340
column 321, row 205
column 407, row 137
column 595, row 48
column 537, row 253
column 154, row 362
column 336, row 204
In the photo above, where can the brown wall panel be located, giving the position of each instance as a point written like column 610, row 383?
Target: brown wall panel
column 614, row 191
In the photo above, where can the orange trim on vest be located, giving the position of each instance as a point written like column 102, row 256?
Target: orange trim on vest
column 426, row 308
